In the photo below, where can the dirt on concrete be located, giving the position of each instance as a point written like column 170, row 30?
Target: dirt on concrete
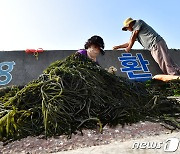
column 39, row 145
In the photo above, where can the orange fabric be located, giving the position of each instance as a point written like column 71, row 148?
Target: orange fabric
column 166, row 77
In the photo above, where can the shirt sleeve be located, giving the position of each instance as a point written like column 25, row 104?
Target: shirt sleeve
column 82, row 51
column 137, row 25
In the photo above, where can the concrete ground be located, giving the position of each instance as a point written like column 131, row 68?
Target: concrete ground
column 163, row 143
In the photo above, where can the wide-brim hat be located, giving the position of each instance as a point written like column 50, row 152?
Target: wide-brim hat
column 126, row 23
column 100, row 42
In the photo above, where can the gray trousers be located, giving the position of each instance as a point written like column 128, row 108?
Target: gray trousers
column 160, row 54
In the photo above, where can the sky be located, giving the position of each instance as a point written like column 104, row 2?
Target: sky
column 67, row 24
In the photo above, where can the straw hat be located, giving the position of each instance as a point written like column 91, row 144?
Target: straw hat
column 126, row 23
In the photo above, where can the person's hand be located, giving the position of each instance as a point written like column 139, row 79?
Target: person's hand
column 128, row 49
column 115, row 47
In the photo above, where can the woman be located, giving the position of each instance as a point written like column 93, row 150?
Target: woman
column 93, row 47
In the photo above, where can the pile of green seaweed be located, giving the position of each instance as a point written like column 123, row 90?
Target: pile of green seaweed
column 76, row 93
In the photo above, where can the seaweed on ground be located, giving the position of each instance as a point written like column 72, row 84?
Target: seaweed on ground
column 76, row 93
column 158, row 87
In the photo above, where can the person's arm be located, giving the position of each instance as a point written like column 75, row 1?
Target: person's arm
column 125, row 45
column 132, row 40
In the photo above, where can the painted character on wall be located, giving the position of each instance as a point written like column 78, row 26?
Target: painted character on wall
column 5, row 72
column 136, row 67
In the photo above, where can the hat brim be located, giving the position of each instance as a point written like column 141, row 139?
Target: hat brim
column 124, row 28
column 102, row 51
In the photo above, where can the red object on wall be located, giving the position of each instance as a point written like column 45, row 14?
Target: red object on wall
column 39, row 50
column 34, row 50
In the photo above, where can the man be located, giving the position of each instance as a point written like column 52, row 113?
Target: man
column 152, row 41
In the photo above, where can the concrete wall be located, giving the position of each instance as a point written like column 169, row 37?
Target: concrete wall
column 18, row 67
